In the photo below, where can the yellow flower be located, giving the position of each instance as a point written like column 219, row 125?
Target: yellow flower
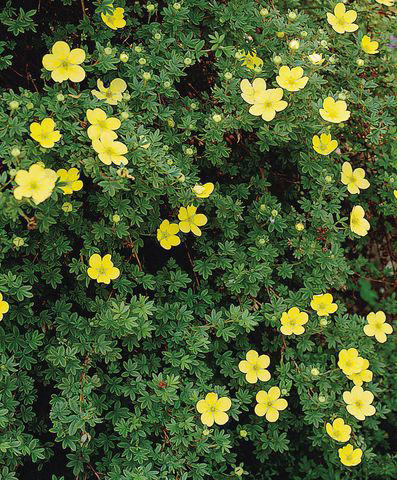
column 255, row 367
column 339, row 431
column 102, row 269
column 353, row 179
column 349, row 361
column 395, row 193
column 44, row 133
column 251, row 60
column 364, row 375
column 334, row 112
column 114, row 20
column 252, row 93
column 370, row 47
column 388, row 3
column 167, row 234
column 323, row 305
column 100, row 123
column 316, row 58
column 190, row 220
column 377, row 326
column 213, row 409
column 268, row 103
column 113, row 93
column 342, row 21
column 358, row 224
column 37, row 183
column 4, row 307
column 324, row 145
column 359, row 402
column 291, row 79
column 203, row 191
column 109, row 151
column 64, row 64
column 350, row 456
column 71, row 178
column 269, row 403
column 292, row 321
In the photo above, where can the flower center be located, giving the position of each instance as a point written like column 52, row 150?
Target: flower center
column 34, row 185
column 359, row 404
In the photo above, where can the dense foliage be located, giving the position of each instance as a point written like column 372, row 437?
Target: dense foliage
column 103, row 362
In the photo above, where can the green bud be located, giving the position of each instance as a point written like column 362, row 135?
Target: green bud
column 181, row 178
column 29, row 105
column 194, row 106
column 18, row 242
column 171, row 123
column 142, row 61
column 167, row 84
column 328, row 179
column 108, row 51
column 322, row 399
column 274, row 213
column 126, row 97
column 228, row 75
column 243, row 433
column 67, row 207
column 177, row 6
column 189, row 151
column 323, row 322
column 217, row 118
column 303, row 34
column 125, row 115
column 280, row 34
column 187, row 61
column 13, row 105
column 315, row 372
column 170, row 161
column 146, row 76
column 262, row 207
column 324, row 43
column 292, row 16
column 238, row 471
column 15, row 152
column 116, row 218
column 264, row 12
column 138, row 49
column 360, row 62
column 60, row 97
column 157, row 36
column 124, row 57
column 277, row 60
column 150, row 7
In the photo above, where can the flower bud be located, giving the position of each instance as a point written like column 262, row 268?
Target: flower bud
column 189, row 151
column 116, row 218
column 323, row 322
column 187, row 61
column 315, row 372
column 360, row 62
column 142, row 61
column 124, row 57
column 157, row 36
column 29, row 105
column 15, row 152
column 206, row 431
column 138, row 49
column 181, row 178
column 67, row 207
column 18, row 242
column 324, row 43
column 126, row 96
column 277, row 60
column 280, row 34
column 171, row 123
column 146, row 76
column 292, row 16
column 294, row 44
column 274, row 213
column 321, row 399
column 177, row 6
column 13, row 105
column 60, row 97
column 238, row 471
column 243, row 433
column 228, row 75
column 299, row 226
column 150, row 7
column 262, row 207
column 264, row 12
column 167, row 84
column 217, row 118
column 328, row 179
column 108, row 51
column 303, row 34
column 194, row 106
column 170, row 161
column 125, row 115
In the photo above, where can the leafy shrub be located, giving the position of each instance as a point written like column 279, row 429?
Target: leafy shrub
column 102, row 364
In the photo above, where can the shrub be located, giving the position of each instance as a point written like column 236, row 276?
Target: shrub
column 131, row 291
